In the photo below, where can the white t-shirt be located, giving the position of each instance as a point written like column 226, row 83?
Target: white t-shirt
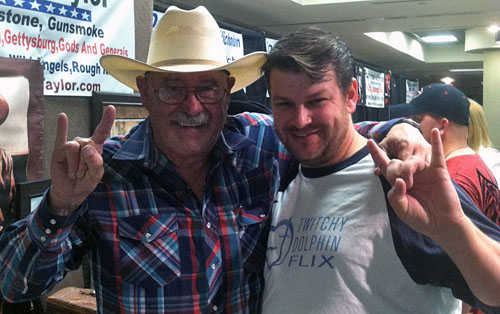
column 491, row 158
column 336, row 246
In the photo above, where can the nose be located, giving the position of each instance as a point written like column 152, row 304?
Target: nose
column 192, row 105
column 302, row 117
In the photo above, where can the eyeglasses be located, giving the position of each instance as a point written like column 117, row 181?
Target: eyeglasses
column 173, row 95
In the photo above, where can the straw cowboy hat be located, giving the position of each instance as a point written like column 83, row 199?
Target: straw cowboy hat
column 186, row 42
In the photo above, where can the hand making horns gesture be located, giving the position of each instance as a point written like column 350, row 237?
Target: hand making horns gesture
column 76, row 166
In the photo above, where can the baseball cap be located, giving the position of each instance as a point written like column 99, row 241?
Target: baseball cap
column 440, row 99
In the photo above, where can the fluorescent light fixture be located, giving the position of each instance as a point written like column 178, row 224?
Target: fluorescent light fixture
column 466, row 70
column 447, row 80
column 439, row 38
column 312, row 2
column 493, row 28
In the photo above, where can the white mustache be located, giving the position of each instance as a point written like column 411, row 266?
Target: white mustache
column 184, row 119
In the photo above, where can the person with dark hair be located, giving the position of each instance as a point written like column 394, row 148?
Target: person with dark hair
column 341, row 239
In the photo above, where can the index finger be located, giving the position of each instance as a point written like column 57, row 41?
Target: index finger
column 102, row 131
column 437, row 155
column 379, row 157
column 61, row 131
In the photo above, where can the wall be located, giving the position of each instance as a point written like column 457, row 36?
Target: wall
column 78, row 108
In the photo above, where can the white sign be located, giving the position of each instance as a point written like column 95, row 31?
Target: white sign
column 233, row 44
column 270, row 44
column 374, row 82
column 69, row 37
column 411, row 90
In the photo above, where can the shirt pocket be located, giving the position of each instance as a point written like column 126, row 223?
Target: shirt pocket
column 253, row 224
column 149, row 250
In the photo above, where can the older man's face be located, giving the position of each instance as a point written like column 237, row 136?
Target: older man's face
column 187, row 111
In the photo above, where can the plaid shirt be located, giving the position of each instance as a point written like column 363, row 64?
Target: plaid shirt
column 154, row 247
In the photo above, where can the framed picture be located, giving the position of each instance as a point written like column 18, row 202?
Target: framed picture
column 29, row 194
column 21, row 88
column 129, row 110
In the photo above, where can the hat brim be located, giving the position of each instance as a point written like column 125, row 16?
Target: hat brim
column 403, row 110
column 245, row 70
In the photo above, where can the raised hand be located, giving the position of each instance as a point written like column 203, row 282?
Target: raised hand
column 403, row 141
column 422, row 193
column 76, row 166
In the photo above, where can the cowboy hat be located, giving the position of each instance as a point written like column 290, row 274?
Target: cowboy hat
column 185, row 42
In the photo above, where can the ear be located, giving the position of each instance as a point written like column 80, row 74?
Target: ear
column 444, row 125
column 142, row 85
column 230, row 82
column 352, row 96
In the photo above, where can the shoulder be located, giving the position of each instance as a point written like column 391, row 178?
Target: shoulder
column 250, row 119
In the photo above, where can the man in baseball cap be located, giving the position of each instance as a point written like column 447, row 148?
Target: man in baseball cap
column 445, row 107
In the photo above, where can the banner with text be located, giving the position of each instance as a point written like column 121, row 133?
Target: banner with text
column 69, row 37
column 411, row 90
column 374, row 84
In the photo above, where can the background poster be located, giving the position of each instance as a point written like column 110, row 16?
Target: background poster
column 21, row 84
column 14, row 131
column 374, row 88
column 69, row 37
column 411, row 90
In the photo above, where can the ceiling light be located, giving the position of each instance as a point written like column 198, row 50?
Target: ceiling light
column 313, row 2
column 493, row 28
column 447, row 80
column 466, row 70
column 439, row 38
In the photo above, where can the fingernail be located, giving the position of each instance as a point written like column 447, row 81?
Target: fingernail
column 71, row 175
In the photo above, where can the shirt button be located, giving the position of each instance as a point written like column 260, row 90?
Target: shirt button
column 48, row 231
column 209, row 225
column 213, row 266
column 215, row 308
column 43, row 238
column 53, row 221
column 148, row 235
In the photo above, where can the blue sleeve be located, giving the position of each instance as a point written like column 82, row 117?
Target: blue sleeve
column 427, row 263
column 376, row 130
column 37, row 252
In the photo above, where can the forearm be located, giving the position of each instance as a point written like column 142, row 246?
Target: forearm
column 32, row 259
column 477, row 257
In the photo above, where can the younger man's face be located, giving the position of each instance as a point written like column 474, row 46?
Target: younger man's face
column 311, row 118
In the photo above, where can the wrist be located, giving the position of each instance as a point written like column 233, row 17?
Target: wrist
column 58, row 207
column 411, row 122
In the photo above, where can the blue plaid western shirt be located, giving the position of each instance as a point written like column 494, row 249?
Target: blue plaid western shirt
column 155, row 248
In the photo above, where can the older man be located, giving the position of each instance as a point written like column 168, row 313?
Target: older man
column 178, row 222
column 336, row 244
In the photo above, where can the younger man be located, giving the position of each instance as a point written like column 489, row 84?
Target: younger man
column 336, row 244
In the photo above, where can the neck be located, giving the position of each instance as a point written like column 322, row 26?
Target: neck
column 193, row 171
column 353, row 143
column 458, row 150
